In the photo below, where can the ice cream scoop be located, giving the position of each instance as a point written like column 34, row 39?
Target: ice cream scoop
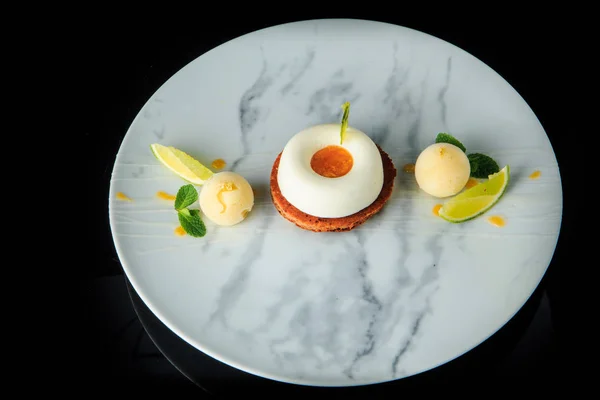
column 442, row 170
column 226, row 198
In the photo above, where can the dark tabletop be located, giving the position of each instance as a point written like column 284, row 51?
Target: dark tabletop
column 127, row 347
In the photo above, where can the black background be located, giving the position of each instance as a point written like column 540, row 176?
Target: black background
column 122, row 62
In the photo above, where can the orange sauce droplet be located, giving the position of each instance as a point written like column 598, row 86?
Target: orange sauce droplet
column 332, row 161
column 218, row 163
column 245, row 213
column 496, row 220
column 227, row 187
column 179, row 231
column 122, row 196
column 165, row 195
column 436, row 210
column 409, row 168
column 535, row 174
column 471, row 182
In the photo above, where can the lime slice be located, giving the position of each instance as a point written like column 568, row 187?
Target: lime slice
column 476, row 200
column 182, row 164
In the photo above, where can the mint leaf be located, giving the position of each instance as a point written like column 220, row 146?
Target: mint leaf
column 346, row 108
column 191, row 222
column 482, row 166
column 186, row 196
column 448, row 138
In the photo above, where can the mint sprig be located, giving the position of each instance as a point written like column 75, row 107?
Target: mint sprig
column 482, row 165
column 191, row 222
column 443, row 137
column 186, row 196
column 189, row 219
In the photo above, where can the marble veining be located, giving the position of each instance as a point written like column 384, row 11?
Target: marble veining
column 159, row 132
column 230, row 292
column 138, row 173
column 338, row 90
column 368, row 296
column 444, row 89
column 249, row 113
column 394, row 297
column 298, row 70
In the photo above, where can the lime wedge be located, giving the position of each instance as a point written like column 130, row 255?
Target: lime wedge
column 181, row 163
column 476, row 200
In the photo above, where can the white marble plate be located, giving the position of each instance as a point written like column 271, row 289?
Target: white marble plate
column 400, row 295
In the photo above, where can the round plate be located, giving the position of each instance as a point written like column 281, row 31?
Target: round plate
column 403, row 293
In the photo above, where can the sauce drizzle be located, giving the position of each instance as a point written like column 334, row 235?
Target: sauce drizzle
column 123, row 197
column 227, row 187
column 218, row 163
column 496, row 220
column 471, row 182
column 165, row 195
column 409, row 168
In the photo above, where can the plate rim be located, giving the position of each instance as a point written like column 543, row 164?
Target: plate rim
column 195, row 343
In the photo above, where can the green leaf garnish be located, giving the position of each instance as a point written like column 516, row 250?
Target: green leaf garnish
column 186, row 196
column 346, row 108
column 443, row 137
column 191, row 222
column 482, row 166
